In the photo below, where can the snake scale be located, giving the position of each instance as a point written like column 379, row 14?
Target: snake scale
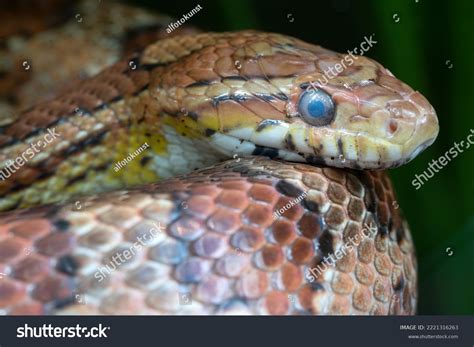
column 253, row 175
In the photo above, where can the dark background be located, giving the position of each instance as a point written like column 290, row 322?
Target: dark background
column 430, row 46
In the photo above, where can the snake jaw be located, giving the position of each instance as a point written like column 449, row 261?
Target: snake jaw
column 299, row 142
column 339, row 145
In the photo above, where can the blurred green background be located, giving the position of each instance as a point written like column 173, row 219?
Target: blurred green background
column 430, row 46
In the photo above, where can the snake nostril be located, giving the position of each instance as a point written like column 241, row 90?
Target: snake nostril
column 392, row 126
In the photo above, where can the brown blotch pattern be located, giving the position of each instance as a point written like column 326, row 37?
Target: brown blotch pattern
column 224, row 251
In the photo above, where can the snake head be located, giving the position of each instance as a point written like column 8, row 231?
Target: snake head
column 266, row 94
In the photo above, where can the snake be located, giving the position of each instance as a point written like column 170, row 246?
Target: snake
column 211, row 174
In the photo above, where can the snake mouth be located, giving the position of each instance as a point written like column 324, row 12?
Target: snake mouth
column 233, row 147
column 330, row 147
column 342, row 156
column 420, row 149
column 365, row 145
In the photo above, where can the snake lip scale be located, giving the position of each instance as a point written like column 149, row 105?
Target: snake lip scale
column 229, row 145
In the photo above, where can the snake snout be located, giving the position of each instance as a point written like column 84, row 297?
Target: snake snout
column 425, row 134
column 424, row 123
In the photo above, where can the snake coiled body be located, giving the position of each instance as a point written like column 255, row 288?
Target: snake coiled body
column 247, row 235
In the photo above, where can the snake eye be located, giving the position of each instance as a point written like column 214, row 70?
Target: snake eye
column 316, row 106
